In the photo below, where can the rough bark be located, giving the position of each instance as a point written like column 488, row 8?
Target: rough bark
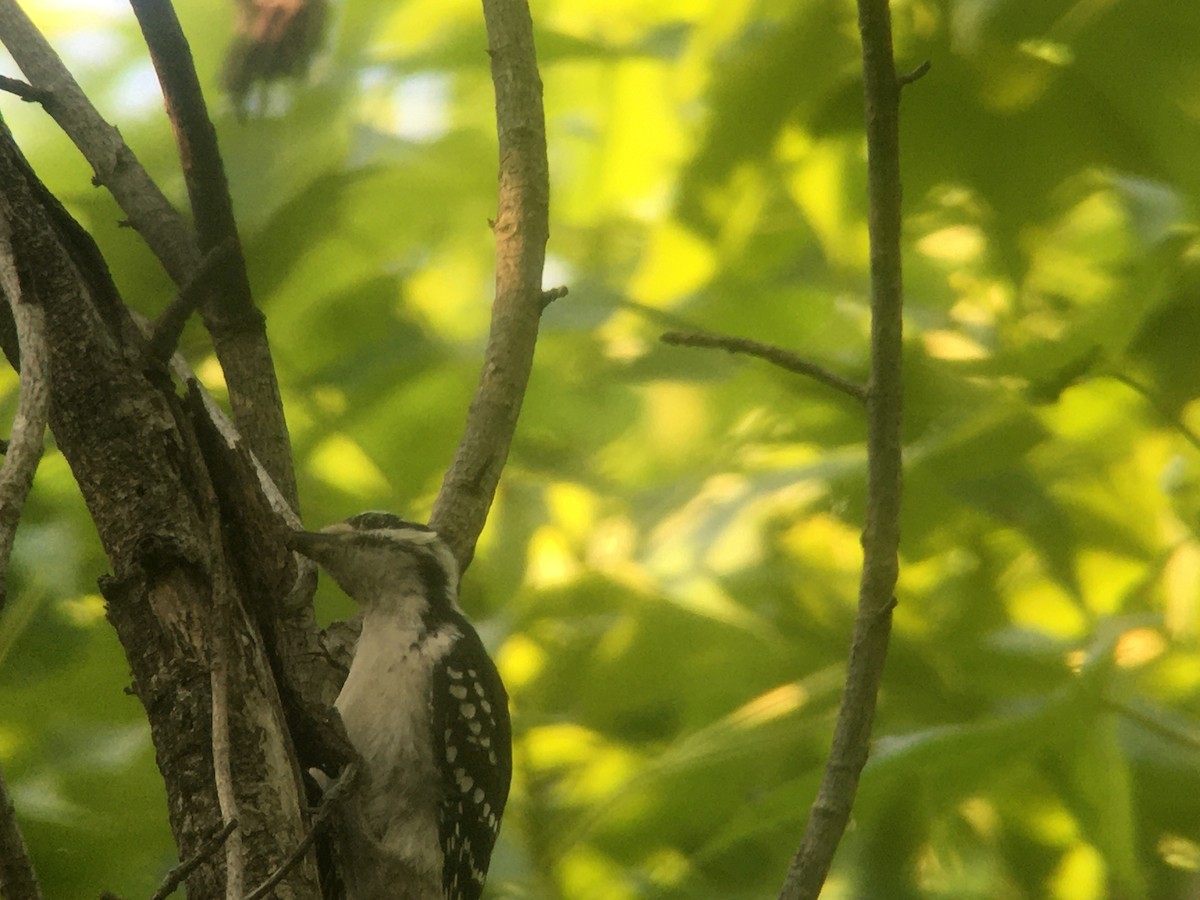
column 173, row 596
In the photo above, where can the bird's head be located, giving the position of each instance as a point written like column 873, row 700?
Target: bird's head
column 378, row 558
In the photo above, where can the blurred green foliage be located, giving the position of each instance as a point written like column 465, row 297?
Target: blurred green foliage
column 669, row 572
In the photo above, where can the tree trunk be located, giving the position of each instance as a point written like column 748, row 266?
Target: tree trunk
column 178, row 594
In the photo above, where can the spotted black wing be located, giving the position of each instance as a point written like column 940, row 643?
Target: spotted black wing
column 473, row 737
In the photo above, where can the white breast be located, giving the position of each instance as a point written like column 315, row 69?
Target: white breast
column 391, row 818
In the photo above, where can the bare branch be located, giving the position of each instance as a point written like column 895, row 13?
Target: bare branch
column 17, row 879
column 237, row 326
column 22, row 89
column 915, row 75
column 169, row 325
column 203, row 169
column 785, row 359
column 33, row 407
column 881, row 534
column 116, row 167
column 521, row 229
column 179, row 873
column 549, row 296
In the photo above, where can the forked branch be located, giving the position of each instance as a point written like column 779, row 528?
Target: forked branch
column 521, row 229
column 237, row 326
column 115, row 165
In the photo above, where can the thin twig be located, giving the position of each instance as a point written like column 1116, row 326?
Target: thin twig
column 179, row 873
column 785, row 359
column 915, row 75
column 521, row 230
column 33, row 404
column 17, row 879
column 169, row 326
column 830, row 811
column 333, row 796
column 23, row 89
column 549, row 296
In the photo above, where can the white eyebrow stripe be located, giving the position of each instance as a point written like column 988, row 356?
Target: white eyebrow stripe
column 411, row 535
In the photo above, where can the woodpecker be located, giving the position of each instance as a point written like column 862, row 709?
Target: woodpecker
column 426, row 710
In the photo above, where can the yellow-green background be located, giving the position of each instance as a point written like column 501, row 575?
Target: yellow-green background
column 669, row 572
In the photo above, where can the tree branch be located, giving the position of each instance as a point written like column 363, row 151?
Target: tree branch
column 332, row 796
column 237, row 326
column 168, row 327
column 179, row 873
column 136, row 460
column 239, row 335
column 115, row 165
column 785, row 359
column 33, row 406
column 17, row 880
column 881, row 534
column 521, row 229
column 22, row 89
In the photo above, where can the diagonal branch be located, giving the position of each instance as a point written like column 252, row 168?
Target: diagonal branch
column 115, row 165
column 239, row 335
column 22, row 89
column 178, row 875
column 33, row 407
column 881, row 534
column 237, row 326
column 785, row 359
column 521, row 229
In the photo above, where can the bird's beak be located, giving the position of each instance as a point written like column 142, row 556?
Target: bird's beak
column 315, row 544
column 309, row 543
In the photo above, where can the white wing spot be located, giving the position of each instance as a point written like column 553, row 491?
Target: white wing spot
column 451, row 753
column 475, row 726
column 458, row 691
column 478, row 795
column 467, row 709
column 487, row 707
